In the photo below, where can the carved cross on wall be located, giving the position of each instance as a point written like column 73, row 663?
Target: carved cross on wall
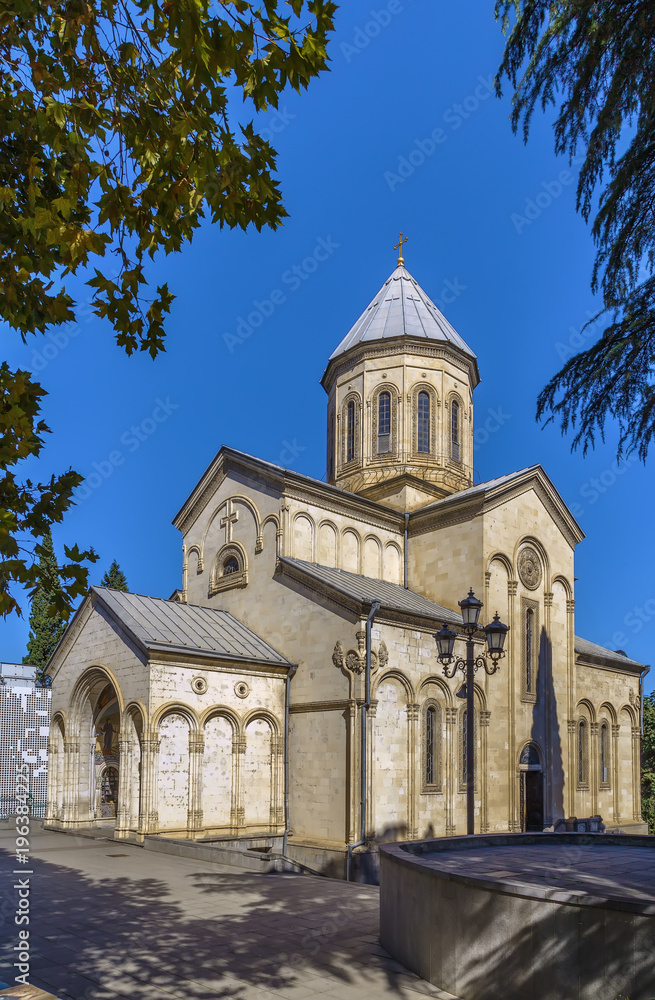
column 231, row 517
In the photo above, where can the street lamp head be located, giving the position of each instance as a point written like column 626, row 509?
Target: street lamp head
column 496, row 633
column 445, row 639
column 471, row 608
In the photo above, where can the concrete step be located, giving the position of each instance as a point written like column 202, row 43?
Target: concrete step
column 220, row 854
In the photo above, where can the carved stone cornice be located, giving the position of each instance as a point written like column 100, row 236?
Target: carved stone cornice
column 238, row 746
column 451, row 716
column 413, row 710
column 373, row 350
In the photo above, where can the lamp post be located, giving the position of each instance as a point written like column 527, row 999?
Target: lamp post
column 495, row 633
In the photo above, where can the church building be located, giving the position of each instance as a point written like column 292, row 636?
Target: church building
column 236, row 710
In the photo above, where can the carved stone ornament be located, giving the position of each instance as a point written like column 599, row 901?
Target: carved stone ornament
column 529, row 568
column 355, row 660
column 199, row 685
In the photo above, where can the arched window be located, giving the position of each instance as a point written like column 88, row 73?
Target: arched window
column 583, row 757
column 604, row 754
column 350, row 431
column 454, row 431
column 231, row 565
column 384, row 423
column 463, row 755
column 529, row 650
column 432, row 746
column 423, row 423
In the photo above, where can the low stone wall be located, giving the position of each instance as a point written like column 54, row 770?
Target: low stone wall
column 495, row 935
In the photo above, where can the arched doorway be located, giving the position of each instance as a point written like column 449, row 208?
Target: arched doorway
column 532, row 789
column 106, row 727
column 109, row 793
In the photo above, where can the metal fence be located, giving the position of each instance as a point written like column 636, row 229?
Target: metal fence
column 8, row 808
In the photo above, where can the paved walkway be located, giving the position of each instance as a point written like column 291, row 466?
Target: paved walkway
column 110, row 921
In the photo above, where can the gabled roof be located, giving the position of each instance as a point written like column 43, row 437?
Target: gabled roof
column 485, row 496
column 402, row 309
column 158, row 625
column 363, row 590
column 592, row 651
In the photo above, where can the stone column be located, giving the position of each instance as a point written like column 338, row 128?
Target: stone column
column 570, row 686
column 351, row 770
column 148, row 812
column 370, row 768
column 548, row 709
column 124, row 772
column 237, row 811
column 71, row 782
column 616, row 796
column 52, row 785
column 594, row 729
column 572, row 732
column 278, row 794
column 483, row 771
column 636, row 774
column 412, row 783
column 514, row 650
column 450, row 770
column 194, row 812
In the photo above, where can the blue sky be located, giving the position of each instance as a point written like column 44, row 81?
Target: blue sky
column 403, row 134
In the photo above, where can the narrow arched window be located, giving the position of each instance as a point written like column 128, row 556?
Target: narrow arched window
column 431, row 758
column 423, row 423
column 529, row 650
column 582, row 752
column 350, row 431
column 454, row 431
column 604, row 754
column 384, row 423
column 231, row 565
column 330, row 457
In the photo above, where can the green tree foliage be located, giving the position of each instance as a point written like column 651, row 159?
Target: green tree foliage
column 116, row 140
column 46, row 626
column 115, row 579
column 27, row 509
column 594, row 63
column 648, row 763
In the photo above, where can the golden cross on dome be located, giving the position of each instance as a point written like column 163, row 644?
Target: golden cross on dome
column 399, row 248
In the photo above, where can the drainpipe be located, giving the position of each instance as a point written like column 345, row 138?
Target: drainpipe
column 405, row 549
column 375, row 607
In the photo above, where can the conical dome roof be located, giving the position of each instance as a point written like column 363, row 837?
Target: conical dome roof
column 401, row 309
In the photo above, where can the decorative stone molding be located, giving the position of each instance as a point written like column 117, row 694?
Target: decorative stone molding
column 199, row 685
column 219, row 579
column 548, row 600
column 616, row 731
column 485, row 718
column 451, row 716
column 570, row 606
column 242, row 689
column 529, row 568
column 512, row 588
column 413, row 710
column 238, row 745
column 196, row 744
column 355, row 660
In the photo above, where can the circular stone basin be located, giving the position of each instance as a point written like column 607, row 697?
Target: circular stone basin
column 523, row 916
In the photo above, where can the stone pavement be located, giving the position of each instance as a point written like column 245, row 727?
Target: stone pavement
column 605, row 871
column 109, row 921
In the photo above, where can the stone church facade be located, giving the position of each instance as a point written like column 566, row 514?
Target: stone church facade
column 234, row 710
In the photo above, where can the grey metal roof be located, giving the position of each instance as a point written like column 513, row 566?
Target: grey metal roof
column 160, row 625
column 362, row 588
column 401, row 309
column 584, row 646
